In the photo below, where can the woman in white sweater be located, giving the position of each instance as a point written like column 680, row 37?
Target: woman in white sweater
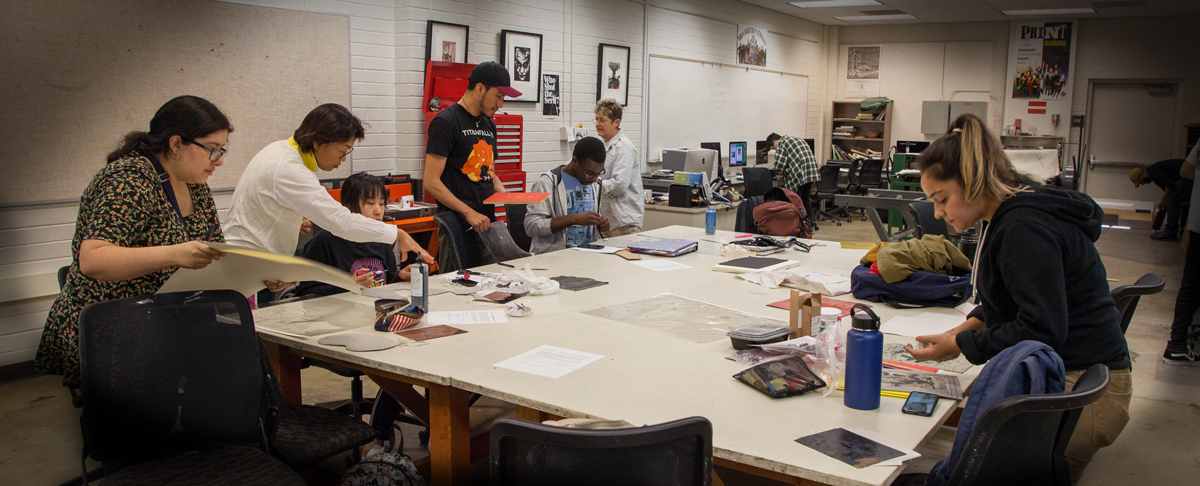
column 624, row 205
column 280, row 188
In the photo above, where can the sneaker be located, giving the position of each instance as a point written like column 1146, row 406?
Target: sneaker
column 1164, row 235
column 1185, row 357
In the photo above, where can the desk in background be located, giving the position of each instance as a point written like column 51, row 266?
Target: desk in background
column 661, row 215
column 751, row 432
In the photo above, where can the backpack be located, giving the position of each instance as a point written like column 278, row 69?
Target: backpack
column 921, row 289
column 782, row 214
column 383, row 469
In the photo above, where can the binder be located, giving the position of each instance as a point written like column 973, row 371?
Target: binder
column 664, row 247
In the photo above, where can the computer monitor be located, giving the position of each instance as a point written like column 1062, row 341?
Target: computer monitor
column 672, row 159
column 812, row 144
column 712, row 146
column 737, row 154
column 700, row 160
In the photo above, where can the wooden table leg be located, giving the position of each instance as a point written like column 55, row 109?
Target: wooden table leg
column 287, row 370
column 534, row 415
column 405, row 395
column 449, row 435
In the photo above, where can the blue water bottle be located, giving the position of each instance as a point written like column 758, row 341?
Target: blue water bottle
column 710, row 221
column 864, row 359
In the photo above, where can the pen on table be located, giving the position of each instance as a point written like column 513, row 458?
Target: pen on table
column 509, row 265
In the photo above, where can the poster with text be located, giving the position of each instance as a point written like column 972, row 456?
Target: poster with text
column 751, row 45
column 1043, row 59
column 551, row 100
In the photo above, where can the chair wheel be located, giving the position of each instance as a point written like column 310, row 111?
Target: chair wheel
column 839, row 223
column 423, row 438
column 395, row 442
column 864, row 217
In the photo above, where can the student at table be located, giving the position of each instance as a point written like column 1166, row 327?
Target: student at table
column 1038, row 243
column 279, row 189
column 460, row 155
column 143, row 216
column 570, row 217
column 797, row 166
column 625, row 206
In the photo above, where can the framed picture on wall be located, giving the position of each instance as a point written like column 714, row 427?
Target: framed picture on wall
column 612, row 75
column 446, row 42
column 521, row 54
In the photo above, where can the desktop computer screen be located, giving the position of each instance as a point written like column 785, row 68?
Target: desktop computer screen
column 712, row 146
column 737, row 154
column 700, row 160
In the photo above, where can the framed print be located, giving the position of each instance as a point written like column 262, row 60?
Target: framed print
column 612, row 75
column 551, row 95
column 521, row 54
column 751, row 46
column 446, row 42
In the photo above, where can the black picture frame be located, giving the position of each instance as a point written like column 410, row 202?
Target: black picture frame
column 526, row 75
column 464, row 37
column 607, row 73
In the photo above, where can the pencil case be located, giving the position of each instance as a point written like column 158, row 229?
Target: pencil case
column 392, row 315
column 783, row 377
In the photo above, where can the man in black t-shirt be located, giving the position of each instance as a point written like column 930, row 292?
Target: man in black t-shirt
column 461, row 151
column 1176, row 189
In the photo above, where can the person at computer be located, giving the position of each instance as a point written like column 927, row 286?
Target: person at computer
column 625, row 203
column 1038, row 243
column 570, row 217
column 279, row 189
column 1166, row 175
column 146, row 214
column 797, row 166
column 460, row 156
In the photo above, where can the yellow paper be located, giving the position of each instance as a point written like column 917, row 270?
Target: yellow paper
column 245, row 270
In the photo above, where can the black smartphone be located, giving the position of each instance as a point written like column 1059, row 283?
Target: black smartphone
column 919, row 403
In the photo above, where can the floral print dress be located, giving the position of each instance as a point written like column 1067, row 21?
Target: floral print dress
column 125, row 204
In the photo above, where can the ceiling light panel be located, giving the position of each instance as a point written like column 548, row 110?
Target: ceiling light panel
column 1049, row 11
column 873, row 18
column 836, row 3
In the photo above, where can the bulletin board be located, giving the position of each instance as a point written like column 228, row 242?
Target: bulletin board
column 78, row 75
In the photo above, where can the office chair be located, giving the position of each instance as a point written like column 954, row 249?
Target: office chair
column 516, row 225
column 827, row 188
column 870, row 174
column 170, row 377
column 529, row 453
column 465, row 249
column 757, row 181
column 744, row 220
column 927, row 223
column 1127, row 296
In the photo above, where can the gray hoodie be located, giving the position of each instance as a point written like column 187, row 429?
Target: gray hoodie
column 538, row 216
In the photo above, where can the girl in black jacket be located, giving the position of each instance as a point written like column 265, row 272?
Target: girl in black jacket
column 1038, row 242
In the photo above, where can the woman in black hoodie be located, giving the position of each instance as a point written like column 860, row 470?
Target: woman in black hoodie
column 1038, row 242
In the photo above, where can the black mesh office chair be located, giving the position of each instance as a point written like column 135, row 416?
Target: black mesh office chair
column 757, row 181
column 1127, row 296
column 927, row 223
column 529, row 453
column 466, row 251
column 827, row 188
column 168, row 378
column 515, row 213
column 870, row 175
column 744, row 220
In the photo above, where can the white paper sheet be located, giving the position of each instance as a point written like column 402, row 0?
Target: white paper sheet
column 883, row 439
column 608, row 250
column 660, row 265
column 399, row 290
column 549, row 361
column 453, row 318
column 244, row 270
column 922, row 325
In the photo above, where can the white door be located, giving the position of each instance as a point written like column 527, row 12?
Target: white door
column 1128, row 125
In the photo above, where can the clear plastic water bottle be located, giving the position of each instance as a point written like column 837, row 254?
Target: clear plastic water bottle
column 710, row 221
column 864, row 360
column 419, row 286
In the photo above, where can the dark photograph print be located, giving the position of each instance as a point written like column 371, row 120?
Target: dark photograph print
column 521, row 63
column 448, row 50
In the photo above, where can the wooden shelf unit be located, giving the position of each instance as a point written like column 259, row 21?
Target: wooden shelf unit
column 844, row 113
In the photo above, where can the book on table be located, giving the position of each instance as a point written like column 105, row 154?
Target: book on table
column 663, row 247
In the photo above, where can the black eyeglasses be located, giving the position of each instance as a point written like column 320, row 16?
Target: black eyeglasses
column 214, row 154
column 593, row 174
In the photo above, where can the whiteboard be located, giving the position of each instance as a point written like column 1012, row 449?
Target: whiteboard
column 692, row 102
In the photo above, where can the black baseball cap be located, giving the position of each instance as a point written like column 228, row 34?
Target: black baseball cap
column 493, row 74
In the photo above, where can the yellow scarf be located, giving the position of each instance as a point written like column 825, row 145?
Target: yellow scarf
column 310, row 161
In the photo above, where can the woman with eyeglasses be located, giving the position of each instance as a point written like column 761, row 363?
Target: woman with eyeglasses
column 280, row 188
column 144, row 215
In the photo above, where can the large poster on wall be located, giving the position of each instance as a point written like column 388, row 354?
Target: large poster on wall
column 1043, row 61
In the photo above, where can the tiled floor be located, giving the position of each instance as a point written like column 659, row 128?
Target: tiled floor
column 40, row 443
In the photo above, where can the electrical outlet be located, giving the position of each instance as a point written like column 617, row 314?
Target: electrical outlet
column 564, row 133
column 580, row 133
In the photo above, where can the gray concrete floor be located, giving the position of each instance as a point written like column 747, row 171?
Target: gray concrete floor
column 40, row 441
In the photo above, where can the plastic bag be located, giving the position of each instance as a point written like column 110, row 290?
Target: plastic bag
column 784, row 376
column 535, row 285
column 829, row 360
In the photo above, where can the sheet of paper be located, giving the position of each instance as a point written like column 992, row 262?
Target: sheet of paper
column 549, row 361
column 244, row 270
column 660, row 265
column 608, row 250
column 883, row 439
column 466, row 317
column 922, row 325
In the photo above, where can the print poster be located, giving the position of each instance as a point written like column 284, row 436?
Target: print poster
column 862, row 72
column 551, row 101
column 1043, row 60
column 751, row 46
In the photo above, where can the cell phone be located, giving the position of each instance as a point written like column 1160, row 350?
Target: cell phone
column 920, row 403
column 593, row 246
